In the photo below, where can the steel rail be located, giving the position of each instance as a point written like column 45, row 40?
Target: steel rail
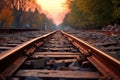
column 107, row 65
column 11, row 60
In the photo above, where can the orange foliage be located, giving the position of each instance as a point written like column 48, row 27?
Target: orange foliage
column 6, row 17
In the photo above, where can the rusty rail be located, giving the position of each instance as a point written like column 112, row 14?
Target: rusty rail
column 108, row 66
column 11, row 60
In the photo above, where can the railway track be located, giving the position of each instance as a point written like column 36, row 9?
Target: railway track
column 57, row 56
column 110, row 44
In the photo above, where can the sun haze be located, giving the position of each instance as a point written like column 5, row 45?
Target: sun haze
column 54, row 9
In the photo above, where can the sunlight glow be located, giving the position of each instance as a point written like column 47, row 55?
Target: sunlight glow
column 54, row 10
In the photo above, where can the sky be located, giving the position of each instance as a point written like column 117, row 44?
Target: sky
column 54, row 9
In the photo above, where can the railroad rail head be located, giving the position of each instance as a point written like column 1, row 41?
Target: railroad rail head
column 12, row 59
column 107, row 65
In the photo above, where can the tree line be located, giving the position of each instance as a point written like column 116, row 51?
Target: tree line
column 92, row 14
column 21, row 14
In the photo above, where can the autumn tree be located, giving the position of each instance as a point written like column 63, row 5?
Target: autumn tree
column 6, row 18
column 91, row 13
column 34, row 20
column 19, row 7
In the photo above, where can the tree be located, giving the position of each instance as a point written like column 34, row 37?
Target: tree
column 34, row 20
column 116, row 13
column 91, row 13
column 6, row 18
column 19, row 7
